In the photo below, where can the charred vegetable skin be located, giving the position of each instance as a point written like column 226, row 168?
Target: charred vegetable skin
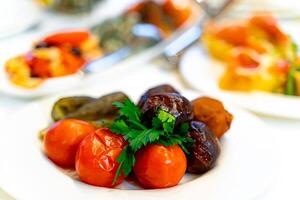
column 173, row 103
column 64, row 106
column 87, row 108
column 205, row 151
column 165, row 88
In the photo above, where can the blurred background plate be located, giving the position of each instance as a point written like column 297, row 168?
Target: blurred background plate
column 283, row 9
column 202, row 73
column 17, row 16
column 57, row 22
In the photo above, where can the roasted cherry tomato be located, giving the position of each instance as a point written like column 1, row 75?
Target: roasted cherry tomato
column 74, row 38
column 63, row 138
column 158, row 166
column 96, row 159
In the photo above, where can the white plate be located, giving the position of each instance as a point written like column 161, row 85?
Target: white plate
column 203, row 74
column 244, row 170
column 23, row 43
column 15, row 17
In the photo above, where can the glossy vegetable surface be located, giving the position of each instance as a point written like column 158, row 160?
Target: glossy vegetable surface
column 87, row 108
column 96, row 159
column 66, row 105
column 205, row 151
column 173, row 103
column 158, row 166
column 165, row 88
column 63, row 138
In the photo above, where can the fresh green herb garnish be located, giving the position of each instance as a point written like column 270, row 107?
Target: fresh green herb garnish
column 138, row 134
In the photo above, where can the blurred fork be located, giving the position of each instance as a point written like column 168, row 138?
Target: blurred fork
column 188, row 38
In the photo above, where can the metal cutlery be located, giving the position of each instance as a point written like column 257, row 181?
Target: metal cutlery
column 187, row 39
column 171, row 51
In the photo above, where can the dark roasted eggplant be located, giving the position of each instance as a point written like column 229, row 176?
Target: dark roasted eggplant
column 173, row 103
column 160, row 89
column 205, row 150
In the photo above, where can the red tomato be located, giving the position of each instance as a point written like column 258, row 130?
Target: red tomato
column 63, row 138
column 158, row 166
column 96, row 159
column 75, row 38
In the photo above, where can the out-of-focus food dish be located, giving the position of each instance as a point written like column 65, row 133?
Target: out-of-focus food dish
column 154, row 142
column 56, row 55
column 167, row 15
column 69, row 6
column 65, row 53
column 256, row 54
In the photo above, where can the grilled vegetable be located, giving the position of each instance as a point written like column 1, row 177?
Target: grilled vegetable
column 205, row 151
column 213, row 114
column 173, row 103
column 96, row 159
column 62, row 139
column 67, row 105
column 165, row 88
column 87, row 108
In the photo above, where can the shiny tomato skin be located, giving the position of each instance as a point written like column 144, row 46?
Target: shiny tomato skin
column 158, row 166
column 62, row 140
column 96, row 159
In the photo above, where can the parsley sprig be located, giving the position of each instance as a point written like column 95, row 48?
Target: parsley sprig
column 139, row 134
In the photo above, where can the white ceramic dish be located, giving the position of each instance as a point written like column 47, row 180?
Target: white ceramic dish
column 203, row 74
column 246, row 167
column 15, row 18
column 22, row 44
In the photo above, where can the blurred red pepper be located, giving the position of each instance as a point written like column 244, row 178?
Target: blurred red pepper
column 74, row 38
column 38, row 67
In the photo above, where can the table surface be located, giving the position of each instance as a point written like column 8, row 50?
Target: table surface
column 286, row 131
